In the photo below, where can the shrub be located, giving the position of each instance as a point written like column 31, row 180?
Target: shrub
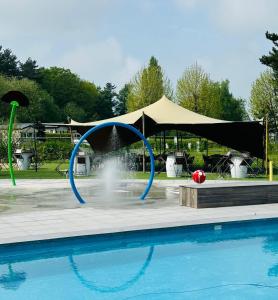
column 54, row 150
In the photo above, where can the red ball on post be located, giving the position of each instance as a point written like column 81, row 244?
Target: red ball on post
column 199, row 176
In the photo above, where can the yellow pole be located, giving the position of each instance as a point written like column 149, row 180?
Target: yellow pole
column 266, row 145
column 270, row 171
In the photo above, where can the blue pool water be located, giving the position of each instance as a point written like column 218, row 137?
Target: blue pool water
column 236, row 260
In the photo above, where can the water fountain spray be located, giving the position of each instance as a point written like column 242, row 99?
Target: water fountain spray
column 98, row 127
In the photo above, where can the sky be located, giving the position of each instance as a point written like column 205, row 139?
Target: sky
column 110, row 40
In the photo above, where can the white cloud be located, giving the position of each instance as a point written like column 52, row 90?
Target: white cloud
column 238, row 16
column 104, row 60
column 65, row 33
column 245, row 15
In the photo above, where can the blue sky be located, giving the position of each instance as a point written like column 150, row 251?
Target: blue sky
column 110, row 40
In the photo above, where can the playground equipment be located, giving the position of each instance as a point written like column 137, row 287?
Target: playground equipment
column 94, row 129
column 16, row 99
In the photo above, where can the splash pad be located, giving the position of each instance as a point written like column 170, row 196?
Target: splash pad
column 94, row 129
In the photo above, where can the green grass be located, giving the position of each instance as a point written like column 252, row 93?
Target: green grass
column 47, row 171
column 210, row 176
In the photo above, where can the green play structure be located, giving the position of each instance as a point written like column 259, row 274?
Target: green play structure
column 16, row 99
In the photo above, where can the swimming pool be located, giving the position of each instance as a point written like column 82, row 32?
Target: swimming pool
column 237, row 260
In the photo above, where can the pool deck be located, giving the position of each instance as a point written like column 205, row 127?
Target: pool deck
column 75, row 220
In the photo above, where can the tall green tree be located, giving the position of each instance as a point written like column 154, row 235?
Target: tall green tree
column 8, row 63
column 75, row 112
column 70, row 92
column 104, row 108
column 88, row 100
column 232, row 109
column 61, row 84
column 41, row 107
column 263, row 99
column 197, row 92
column 271, row 60
column 148, row 86
column 120, row 101
column 191, row 86
column 29, row 69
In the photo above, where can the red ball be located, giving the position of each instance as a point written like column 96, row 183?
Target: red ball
column 199, row 176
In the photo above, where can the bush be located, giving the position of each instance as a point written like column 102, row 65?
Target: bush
column 58, row 135
column 54, row 150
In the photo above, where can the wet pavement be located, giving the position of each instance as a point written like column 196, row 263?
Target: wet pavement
column 33, row 195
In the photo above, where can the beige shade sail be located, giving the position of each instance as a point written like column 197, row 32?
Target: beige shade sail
column 167, row 115
column 162, row 111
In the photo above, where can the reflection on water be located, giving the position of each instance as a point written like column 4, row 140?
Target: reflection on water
column 271, row 246
column 273, row 271
column 13, row 279
column 104, row 289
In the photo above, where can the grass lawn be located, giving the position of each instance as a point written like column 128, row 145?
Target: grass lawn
column 47, row 171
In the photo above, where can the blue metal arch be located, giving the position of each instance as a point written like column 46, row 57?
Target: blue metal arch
column 98, row 127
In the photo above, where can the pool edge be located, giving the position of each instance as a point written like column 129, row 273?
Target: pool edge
column 130, row 228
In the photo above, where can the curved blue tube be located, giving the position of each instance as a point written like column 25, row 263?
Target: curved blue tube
column 92, row 130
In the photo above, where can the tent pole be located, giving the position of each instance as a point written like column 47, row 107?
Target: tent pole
column 164, row 142
column 143, row 131
column 160, row 142
column 177, row 134
column 71, row 135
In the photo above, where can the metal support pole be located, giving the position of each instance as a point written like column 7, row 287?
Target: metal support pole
column 71, row 135
column 164, row 142
column 35, row 147
column 143, row 131
column 160, row 143
column 177, row 134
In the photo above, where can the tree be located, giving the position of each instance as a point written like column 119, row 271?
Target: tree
column 75, row 112
column 271, row 60
column 263, row 99
column 232, row 109
column 70, row 92
column 104, row 108
column 41, row 107
column 61, row 84
column 190, row 86
column 197, row 92
column 120, row 101
column 29, row 69
column 88, row 100
column 148, row 86
column 8, row 63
